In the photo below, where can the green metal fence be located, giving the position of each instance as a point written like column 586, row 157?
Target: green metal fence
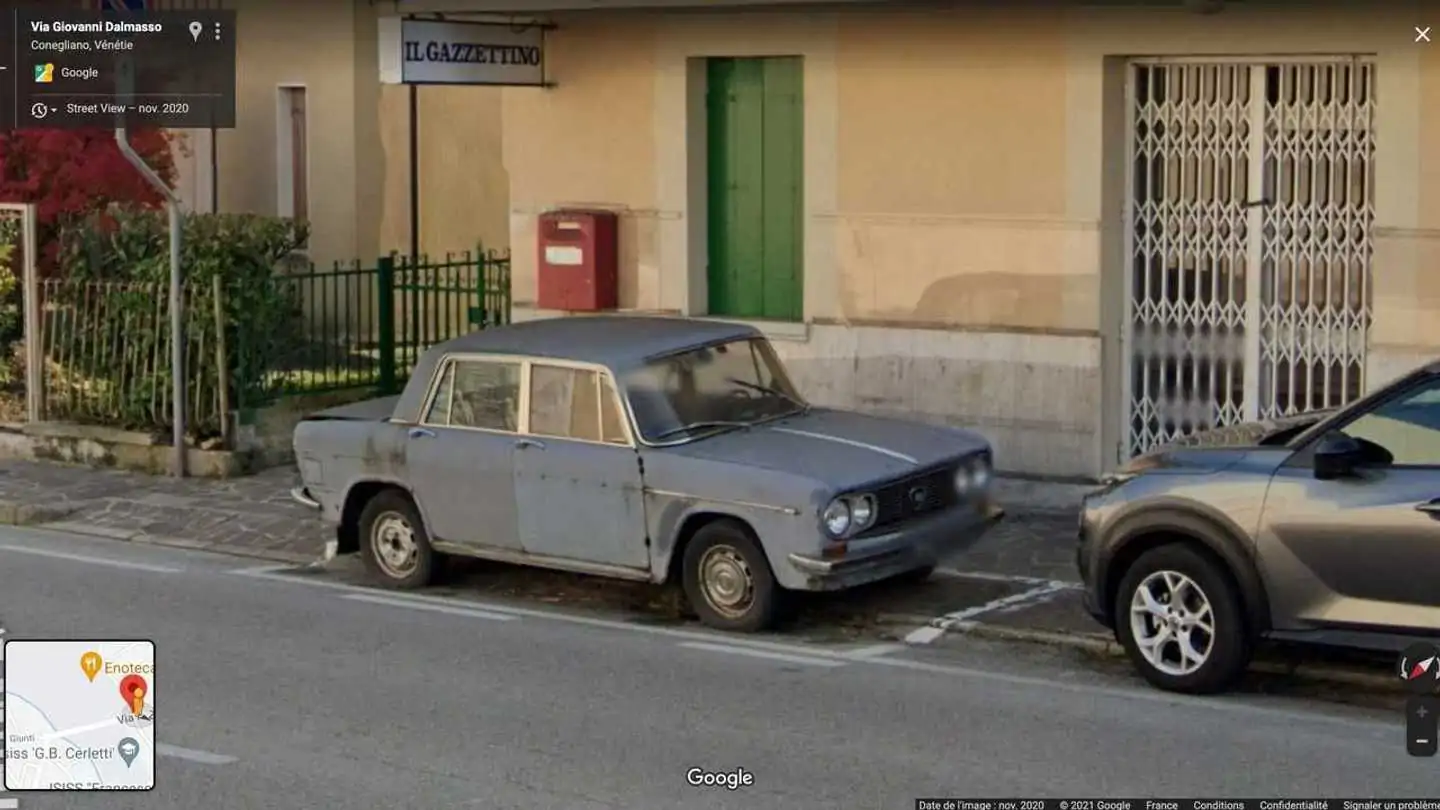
column 105, row 346
column 106, row 351
column 366, row 326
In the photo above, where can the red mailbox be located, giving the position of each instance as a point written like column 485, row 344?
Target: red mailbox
column 578, row 261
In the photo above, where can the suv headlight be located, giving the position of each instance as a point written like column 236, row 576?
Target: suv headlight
column 836, row 517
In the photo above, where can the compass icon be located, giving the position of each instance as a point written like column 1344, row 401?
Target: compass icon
column 1419, row 668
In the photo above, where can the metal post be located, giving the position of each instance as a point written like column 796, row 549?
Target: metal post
column 385, row 279
column 177, row 315
column 34, row 333
column 222, row 362
column 414, row 175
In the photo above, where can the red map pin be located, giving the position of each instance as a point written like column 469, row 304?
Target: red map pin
column 133, row 690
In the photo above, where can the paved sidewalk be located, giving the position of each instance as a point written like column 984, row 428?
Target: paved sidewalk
column 254, row 516
column 249, row 517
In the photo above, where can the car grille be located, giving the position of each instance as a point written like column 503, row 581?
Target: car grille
column 915, row 495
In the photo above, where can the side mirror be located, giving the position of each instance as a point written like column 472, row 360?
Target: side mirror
column 1337, row 456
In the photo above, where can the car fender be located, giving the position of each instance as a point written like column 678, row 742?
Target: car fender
column 1218, row 532
column 351, row 544
column 669, row 512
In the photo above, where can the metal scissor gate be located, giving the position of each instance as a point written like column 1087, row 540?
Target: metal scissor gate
column 1249, row 226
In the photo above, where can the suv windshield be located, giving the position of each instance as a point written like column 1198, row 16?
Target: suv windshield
column 712, row 388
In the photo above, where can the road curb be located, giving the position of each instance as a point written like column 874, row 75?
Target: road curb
column 19, row 513
column 1105, row 647
column 140, row 538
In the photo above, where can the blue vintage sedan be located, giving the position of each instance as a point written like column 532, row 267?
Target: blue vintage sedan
column 643, row 448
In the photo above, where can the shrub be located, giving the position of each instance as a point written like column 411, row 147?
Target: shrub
column 11, row 326
column 263, row 315
column 71, row 174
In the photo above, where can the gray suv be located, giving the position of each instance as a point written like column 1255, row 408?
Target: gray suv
column 1323, row 527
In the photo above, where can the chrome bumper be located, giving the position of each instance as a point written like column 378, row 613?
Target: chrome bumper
column 301, row 496
column 915, row 546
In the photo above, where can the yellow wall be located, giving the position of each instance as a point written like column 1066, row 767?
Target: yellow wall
column 464, row 191
column 359, row 148
column 956, row 159
column 587, row 142
column 950, row 145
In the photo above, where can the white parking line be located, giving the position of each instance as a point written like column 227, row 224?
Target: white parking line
column 193, row 755
column 413, row 604
column 9, row 804
column 271, row 574
column 58, row 555
column 874, row 651
column 750, row 652
column 938, row 626
column 990, row 576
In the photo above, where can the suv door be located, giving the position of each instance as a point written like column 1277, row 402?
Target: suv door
column 1361, row 550
column 459, row 458
column 578, row 485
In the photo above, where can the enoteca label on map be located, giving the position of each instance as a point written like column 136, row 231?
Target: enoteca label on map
column 79, row 715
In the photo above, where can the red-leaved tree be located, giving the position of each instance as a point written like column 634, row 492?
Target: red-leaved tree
column 72, row 173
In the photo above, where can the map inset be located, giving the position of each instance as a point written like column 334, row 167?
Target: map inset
column 79, row 715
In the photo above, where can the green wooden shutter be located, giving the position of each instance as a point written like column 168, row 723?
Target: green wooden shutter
column 755, row 112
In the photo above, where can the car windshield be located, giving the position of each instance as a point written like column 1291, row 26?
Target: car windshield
column 709, row 389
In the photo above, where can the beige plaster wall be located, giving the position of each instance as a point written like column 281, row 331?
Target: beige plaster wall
column 359, row 139
column 464, row 189
column 952, row 201
column 963, row 200
column 588, row 142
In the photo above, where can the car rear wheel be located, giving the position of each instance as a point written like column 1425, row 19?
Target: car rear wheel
column 1180, row 618
column 728, row 581
column 394, row 544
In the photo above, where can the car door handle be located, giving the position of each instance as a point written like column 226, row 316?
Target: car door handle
column 1431, row 507
column 525, row 443
column 421, row 433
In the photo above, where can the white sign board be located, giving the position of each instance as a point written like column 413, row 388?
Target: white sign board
column 445, row 52
column 564, row 256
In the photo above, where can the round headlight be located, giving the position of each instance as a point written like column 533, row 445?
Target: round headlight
column 862, row 510
column 963, row 480
column 836, row 517
column 980, row 473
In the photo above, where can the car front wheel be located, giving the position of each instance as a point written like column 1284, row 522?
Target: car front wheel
column 1181, row 621
column 728, row 581
column 394, row 544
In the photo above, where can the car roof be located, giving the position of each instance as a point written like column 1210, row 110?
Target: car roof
column 608, row 340
column 618, row 342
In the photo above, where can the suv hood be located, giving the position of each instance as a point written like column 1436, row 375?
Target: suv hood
column 840, row 449
column 1216, row 449
column 1259, row 433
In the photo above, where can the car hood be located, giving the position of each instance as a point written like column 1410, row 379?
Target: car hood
column 1253, row 434
column 841, row 449
column 1218, row 448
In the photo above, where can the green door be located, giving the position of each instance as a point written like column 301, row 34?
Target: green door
column 755, row 181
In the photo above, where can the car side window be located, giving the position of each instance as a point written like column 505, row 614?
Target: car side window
column 1408, row 427
column 570, row 403
column 612, row 421
column 478, row 394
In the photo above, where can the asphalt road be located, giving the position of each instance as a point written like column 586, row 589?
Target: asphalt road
column 286, row 693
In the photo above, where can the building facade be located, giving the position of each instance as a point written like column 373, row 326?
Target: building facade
column 318, row 137
column 1077, row 229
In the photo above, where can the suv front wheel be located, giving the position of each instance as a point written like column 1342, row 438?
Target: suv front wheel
column 1181, row 621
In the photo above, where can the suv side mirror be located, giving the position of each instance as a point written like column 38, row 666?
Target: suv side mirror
column 1337, row 456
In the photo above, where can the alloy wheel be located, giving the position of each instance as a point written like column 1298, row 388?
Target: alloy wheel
column 1172, row 622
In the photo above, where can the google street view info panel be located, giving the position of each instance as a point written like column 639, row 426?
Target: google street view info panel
column 79, row 715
